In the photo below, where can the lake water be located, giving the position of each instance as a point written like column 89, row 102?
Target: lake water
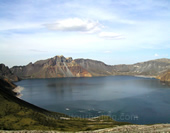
column 124, row 98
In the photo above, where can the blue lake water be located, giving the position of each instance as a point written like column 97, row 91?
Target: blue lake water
column 125, row 98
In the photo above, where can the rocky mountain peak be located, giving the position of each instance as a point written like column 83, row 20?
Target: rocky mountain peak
column 69, row 59
column 53, row 61
column 62, row 59
column 30, row 64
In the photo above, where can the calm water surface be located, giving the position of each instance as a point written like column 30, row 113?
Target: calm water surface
column 124, row 98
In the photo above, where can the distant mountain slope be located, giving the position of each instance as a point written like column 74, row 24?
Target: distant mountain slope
column 148, row 68
column 58, row 66
column 96, row 68
column 5, row 72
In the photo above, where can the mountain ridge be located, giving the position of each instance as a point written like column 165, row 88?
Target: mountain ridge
column 147, row 68
column 59, row 66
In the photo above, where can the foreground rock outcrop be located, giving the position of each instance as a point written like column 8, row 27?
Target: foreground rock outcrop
column 6, row 73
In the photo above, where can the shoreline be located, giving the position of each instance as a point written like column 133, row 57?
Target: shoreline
column 124, row 128
column 144, row 76
column 18, row 90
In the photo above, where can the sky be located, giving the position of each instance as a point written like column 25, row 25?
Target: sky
column 112, row 31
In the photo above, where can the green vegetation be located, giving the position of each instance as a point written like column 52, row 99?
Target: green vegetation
column 16, row 114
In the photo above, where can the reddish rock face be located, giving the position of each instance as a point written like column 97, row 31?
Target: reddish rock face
column 78, row 71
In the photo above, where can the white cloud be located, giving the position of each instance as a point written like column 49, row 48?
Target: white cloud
column 156, row 55
column 110, row 35
column 75, row 24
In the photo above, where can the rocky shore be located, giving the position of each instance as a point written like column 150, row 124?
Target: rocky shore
column 157, row 128
column 18, row 90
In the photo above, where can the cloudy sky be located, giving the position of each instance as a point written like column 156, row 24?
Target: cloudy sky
column 112, row 31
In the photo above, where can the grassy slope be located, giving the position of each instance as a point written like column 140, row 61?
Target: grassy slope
column 16, row 114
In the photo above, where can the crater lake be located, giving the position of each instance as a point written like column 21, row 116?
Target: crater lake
column 125, row 98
